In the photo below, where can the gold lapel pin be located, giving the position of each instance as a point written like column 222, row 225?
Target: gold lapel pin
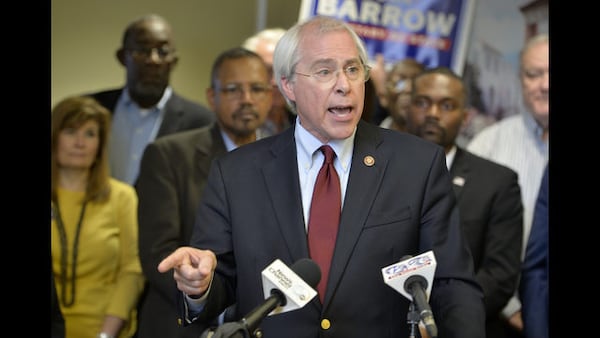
column 369, row 161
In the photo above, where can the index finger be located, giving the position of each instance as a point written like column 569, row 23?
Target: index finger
column 178, row 257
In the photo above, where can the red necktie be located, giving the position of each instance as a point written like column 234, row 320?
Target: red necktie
column 324, row 218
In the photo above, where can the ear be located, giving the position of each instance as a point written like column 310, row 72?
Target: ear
column 120, row 54
column 210, row 98
column 173, row 63
column 288, row 88
column 467, row 116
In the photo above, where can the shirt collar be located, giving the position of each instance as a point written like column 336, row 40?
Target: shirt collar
column 532, row 125
column 308, row 144
column 230, row 145
column 450, row 157
column 160, row 105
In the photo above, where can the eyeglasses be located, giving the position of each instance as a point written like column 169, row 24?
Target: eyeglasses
column 236, row 91
column 164, row 53
column 328, row 75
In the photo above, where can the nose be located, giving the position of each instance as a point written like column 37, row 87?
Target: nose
column 342, row 82
column 246, row 94
column 546, row 80
column 434, row 110
column 154, row 55
column 79, row 139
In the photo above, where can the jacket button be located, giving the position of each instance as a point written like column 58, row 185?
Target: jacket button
column 325, row 324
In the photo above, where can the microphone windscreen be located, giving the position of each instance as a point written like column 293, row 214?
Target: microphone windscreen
column 308, row 270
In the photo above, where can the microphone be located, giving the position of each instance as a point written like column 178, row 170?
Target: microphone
column 412, row 277
column 286, row 289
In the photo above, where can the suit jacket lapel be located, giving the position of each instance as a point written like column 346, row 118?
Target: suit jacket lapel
column 363, row 184
column 281, row 179
column 206, row 150
column 459, row 172
column 172, row 114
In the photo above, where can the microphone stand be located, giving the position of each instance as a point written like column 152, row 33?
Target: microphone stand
column 231, row 330
column 412, row 318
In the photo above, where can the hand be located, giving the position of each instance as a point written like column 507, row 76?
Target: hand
column 423, row 332
column 516, row 321
column 192, row 269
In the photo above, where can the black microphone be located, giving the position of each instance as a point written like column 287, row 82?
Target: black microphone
column 305, row 268
column 411, row 277
column 416, row 285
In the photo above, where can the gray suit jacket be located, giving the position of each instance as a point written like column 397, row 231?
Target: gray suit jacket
column 251, row 214
column 173, row 173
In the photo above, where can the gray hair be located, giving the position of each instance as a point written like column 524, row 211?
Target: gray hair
column 531, row 42
column 271, row 35
column 287, row 54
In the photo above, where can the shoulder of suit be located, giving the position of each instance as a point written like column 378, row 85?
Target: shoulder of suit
column 487, row 164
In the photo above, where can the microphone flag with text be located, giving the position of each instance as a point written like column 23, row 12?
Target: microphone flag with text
column 285, row 289
column 413, row 277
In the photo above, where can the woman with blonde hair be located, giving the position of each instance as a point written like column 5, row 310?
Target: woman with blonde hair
column 94, row 226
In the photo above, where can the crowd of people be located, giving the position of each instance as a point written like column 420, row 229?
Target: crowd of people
column 165, row 211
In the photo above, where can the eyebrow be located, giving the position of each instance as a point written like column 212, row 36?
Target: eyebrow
column 330, row 61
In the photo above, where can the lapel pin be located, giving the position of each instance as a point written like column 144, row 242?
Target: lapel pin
column 458, row 181
column 369, row 161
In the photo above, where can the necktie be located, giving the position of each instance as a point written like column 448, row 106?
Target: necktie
column 324, row 217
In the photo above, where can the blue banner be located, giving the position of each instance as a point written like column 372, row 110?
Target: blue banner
column 434, row 32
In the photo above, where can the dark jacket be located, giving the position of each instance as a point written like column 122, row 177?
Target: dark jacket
column 403, row 204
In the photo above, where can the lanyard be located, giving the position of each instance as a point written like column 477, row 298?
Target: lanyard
column 63, row 255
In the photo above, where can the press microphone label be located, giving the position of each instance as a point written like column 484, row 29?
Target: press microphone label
column 408, row 266
column 282, row 280
column 396, row 274
column 297, row 292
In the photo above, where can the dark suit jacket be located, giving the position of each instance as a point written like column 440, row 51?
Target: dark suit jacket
column 180, row 113
column 534, row 276
column 173, row 173
column 251, row 214
column 491, row 213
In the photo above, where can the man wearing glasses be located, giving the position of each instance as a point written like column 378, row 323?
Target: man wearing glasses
column 174, row 171
column 392, row 197
column 147, row 107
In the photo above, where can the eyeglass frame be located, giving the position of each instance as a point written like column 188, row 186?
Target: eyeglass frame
column 164, row 53
column 365, row 68
column 236, row 91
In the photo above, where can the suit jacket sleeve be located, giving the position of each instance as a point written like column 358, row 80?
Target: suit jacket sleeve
column 456, row 298
column 159, row 218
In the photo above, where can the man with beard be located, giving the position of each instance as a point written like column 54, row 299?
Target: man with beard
column 147, row 107
column 488, row 194
column 173, row 174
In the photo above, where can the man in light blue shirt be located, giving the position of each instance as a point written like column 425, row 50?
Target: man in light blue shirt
column 146, row 107
column 521, row 141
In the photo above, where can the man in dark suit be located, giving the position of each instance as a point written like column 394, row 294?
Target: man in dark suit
column 396, row 197
column 488, row 194
column 147, row 107
column 173, row 174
